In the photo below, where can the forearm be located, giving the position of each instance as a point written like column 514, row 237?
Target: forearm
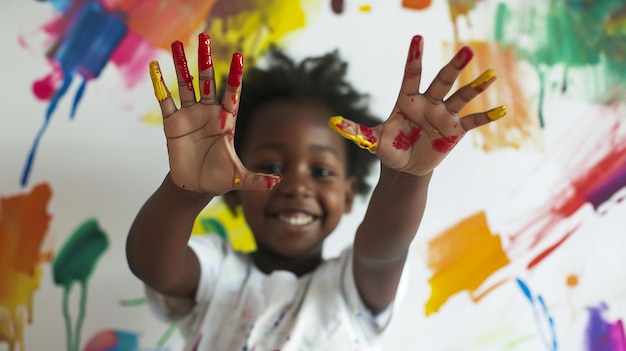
column 393, row 216
column 156, row 247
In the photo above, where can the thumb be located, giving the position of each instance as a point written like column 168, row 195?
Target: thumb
column 365, row 137
column 246, row 180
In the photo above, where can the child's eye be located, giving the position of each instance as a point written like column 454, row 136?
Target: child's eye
column 272, row 168
column 322, row 172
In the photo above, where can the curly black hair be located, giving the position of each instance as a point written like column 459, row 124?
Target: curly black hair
column 320, row 79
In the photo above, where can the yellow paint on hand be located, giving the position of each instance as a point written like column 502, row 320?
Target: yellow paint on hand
column 462, row 258
column 485, row 77
column 24, row 222
column 342, row 127
column 160, row 91
column 236, row 181
column 497, row 113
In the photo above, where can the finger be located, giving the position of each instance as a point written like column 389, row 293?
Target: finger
column 206, row 74
column 413, row 67
column 461, row 97
column 185, row 80
column 444, row 80
column 365, row 137
column 168, row 107
column 246, row 180
column 230, row 99
column 479, row 119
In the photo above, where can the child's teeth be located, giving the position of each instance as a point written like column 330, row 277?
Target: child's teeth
column 296, row 220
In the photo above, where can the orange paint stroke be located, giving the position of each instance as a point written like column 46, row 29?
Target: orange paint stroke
column 24, row 222
column 416, row 4
column 162, row 22
column 545, row 253
column 520, row 128
column 462, row 258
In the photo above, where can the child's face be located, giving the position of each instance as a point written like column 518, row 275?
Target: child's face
column 292, row 138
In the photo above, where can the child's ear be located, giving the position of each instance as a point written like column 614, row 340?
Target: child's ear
column 231, row 199
column 352, row 188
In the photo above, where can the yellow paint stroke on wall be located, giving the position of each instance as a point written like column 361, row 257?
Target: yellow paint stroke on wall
column 520, row 128
column 462, row 258
column 250, row 27
column 24, row 222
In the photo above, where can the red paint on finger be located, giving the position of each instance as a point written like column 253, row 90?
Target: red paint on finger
column 207, row 87
column 464, row 56
column 404, row 115
column 368, row 134
column 271, row 181
column 204, row 52
column 405, row 141
column 234, row 98
column 236, row 70
column 445, row 144
column 178, row 52
column 414, row 50
column 223, row 115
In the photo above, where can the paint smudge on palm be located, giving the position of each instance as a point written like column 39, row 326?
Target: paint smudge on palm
column 576, row 47
column 462, row 258
column 24, row 222
column 75, row 263
column 602, row 335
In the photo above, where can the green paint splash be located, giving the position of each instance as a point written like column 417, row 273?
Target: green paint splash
column 585, row 40
column 75, row 263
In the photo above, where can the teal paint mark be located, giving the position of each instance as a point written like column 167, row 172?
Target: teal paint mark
column 586, row 39
column 74, row 263
column 212, row 225
column 133, row 302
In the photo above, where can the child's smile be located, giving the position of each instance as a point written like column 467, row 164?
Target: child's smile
column 292, row 138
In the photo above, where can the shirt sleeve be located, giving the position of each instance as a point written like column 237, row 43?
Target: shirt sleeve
column 372, row 324
column 211, row 251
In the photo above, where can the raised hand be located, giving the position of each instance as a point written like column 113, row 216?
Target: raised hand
column 423, row 127
column 199, row 135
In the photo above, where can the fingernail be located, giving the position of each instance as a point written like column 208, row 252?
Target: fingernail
column 414, row 49
column 204, row 52
column 464, row 56
column 485, row 77
column 160, row 91
column 497, row 113
column 236, row 70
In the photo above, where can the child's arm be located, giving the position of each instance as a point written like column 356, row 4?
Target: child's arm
column 203, row 164
column 418, row 135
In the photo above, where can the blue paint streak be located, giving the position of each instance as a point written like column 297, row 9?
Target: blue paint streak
column 93, row 38
column 551, row 344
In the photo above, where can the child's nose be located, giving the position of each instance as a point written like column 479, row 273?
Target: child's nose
column 296, row 182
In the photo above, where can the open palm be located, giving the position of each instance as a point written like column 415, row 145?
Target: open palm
column 200, row 133
column 423, row 127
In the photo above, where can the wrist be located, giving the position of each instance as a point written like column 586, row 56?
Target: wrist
column 201, row 199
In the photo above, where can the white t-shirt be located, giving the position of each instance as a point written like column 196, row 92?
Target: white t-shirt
column 240, row 308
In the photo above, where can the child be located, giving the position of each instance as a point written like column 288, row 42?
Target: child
column 294, row 178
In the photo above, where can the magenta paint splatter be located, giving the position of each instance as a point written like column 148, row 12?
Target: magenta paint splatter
column 405, row 141
column 602, row 335
column 180, row 60
column 236, row 70
column 445, row 144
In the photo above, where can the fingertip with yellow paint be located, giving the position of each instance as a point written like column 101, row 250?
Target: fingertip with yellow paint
column 160, row 90
column 341, row 126
column 485, row 77
column 497, row 113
